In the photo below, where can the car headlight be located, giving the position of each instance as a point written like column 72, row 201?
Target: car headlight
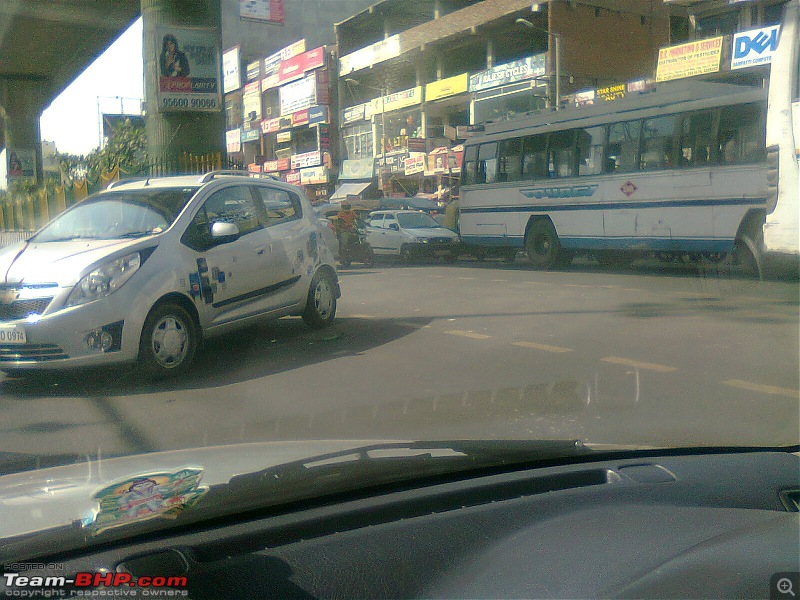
column 423, row 240
column 105, row 279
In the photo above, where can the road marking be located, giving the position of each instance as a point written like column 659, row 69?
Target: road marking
column 470, row 278
column 411, row 325
column 536, row 283
column 436, row 276
column 638, row 364
column 631, row 290
column 359, row 316
column 695, row 295
column 760, row 387
column 544, row 347
column 468, row 334
column 578, row 285
column 500, row 280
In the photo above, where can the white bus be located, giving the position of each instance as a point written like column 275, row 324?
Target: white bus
column 679, row 170
column 781, row 233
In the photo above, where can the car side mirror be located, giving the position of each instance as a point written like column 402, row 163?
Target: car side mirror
column 394, row 226
column 224, row 232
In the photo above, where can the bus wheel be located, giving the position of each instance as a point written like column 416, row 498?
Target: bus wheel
column 747, row 257
column 542, row 244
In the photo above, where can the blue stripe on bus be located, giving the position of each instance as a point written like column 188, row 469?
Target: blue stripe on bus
column 613, row 243
column 617, row 205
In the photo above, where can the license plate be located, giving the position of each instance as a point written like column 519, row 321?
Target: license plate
column 12, row 335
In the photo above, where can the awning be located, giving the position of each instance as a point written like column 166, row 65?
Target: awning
column 347, row 189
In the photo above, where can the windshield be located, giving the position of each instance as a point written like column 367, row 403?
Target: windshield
column 614, row 187
column 416, row 221
column 116, row 215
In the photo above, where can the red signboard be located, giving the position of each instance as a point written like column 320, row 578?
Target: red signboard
column 300, row 117
column 270, row 125
column 182, row 85
column 293, row 177
column 295, row 67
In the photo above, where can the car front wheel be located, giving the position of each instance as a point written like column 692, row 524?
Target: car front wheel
column 169, row 341
column 321, row 304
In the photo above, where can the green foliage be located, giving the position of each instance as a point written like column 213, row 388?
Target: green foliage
column 126, row 147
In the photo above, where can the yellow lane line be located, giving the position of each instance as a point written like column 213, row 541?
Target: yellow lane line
column 760, row 387
column 638, row 364
column 468, row 334
column 544, row 347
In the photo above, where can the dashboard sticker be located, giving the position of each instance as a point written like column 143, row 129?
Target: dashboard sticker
column 144, row 497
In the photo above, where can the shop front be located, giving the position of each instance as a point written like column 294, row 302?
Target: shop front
column 509, row 89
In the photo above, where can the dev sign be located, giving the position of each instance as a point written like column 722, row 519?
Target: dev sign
column 754, row 47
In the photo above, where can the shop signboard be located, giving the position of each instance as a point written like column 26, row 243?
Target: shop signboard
column 300, row 118
column 270, row 125
column 254, row 71
column 611, row 92
column 518, row 70
column 273, row 61
column 353, row 114
column 254, row 168
column 398, row 100
column 271, row 166
column 298, row 95
column 233, row 140
column 189, row 72
column 317, row 115
column 284, row 164
column 261, row 10
column 754, row 47
column 250, row 135
column 295, row 67
column 231, row 69
column 293, row 177
column 359, row 168
column 686, row 60
column 252, row 101
column 314, row 175
column 369, row 56
column 444, row 88
column 415, row 163
column 284, row 137
column 307, row 159
column 391, row 163
column 438, row 161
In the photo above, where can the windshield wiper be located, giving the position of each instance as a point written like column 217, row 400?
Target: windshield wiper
column 134, row 234
column 66, row 238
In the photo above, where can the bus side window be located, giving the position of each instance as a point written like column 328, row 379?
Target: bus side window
column 562, row 154
column 658, row 141
column 470, row 165
column 622, row 154
column 510, row 164
column 697, row 140
column 591, row 143
column 487, row 163
column 741, row 134
column 534, row 157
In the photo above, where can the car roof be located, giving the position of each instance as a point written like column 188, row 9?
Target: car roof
column 196, row 181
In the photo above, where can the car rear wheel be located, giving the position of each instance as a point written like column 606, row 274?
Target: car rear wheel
column 169, row 341
column 321, row 304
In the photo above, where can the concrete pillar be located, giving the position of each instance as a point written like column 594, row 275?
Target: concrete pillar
column 21, row 104
column 169, row 134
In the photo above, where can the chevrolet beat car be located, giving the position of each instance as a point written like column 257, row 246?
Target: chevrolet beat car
column 146, row 269
column 410, row 233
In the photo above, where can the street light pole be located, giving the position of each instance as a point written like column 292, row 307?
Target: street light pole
column 555, row 53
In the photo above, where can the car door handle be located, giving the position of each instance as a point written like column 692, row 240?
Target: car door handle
column 260, row 250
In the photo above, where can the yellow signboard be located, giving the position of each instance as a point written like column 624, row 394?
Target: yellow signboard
column 686, row 60
column 446, row 87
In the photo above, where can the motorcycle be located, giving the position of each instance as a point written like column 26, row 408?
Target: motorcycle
column 356, row 249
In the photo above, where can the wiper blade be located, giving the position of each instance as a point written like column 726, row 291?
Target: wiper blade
column 135, row 234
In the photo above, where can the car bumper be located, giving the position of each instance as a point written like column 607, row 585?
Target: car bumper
column 433, row 248
column 61, row 340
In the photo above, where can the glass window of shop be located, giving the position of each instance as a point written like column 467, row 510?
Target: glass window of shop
column 508, row 101
column 358, row 141
column 304, row 139
column 400, row 126
column 233, row 110
column 270, row 104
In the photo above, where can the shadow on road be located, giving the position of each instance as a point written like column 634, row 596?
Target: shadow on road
column 254, row 353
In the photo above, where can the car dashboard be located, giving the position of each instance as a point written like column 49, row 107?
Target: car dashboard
column 656, row 525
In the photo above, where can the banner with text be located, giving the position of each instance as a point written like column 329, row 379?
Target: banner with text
column 188, row 62
column 687, row 60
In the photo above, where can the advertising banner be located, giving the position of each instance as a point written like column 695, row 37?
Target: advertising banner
column 438, row 160
column 518, row 70
column 754, row 47
column 293, row 177
column 231, row 69
column 270, row 125
column 398, row 100
column 233, row 140
column 687, row 60
column 317, row 114
column 415, row 163
column 313, row 175
column 295, row 67
column 369, row 56
column 308, row 159
column 262, row 10
column 612, row 92
column 273, row 61
column 298, row 95
column 300, row 118
column 188, row 62
column 20, row 163
column 252, row 101
column 254, row 168
column 360, row 168
column 284, row 136
column 446, row 87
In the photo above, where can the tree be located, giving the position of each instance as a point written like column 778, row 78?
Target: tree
column 126, row 147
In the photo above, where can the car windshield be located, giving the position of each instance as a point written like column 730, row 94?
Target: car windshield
column 115, row 215
column 188, row 318
column 416, row 220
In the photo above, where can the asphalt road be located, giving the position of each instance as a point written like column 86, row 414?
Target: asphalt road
column 653, row 356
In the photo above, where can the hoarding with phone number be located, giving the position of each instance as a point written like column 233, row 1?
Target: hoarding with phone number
column 188, row 62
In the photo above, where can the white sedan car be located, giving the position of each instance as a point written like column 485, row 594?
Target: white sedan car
column 410, row 233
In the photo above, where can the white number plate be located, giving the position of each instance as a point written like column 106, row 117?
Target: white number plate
column 12, row 335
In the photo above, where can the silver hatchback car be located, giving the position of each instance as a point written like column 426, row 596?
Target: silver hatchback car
column 147, row 269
